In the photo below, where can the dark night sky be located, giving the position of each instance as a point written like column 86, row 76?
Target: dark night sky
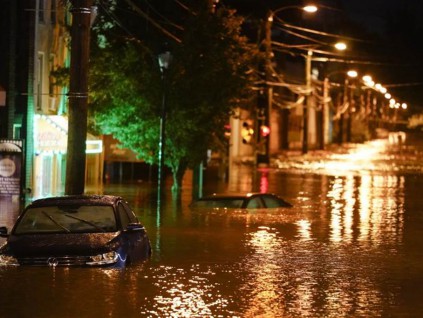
column 397, row 23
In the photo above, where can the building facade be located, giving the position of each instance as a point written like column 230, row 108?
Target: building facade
column 33, row 103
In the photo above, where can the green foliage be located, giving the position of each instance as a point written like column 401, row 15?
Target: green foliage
column 211, row 73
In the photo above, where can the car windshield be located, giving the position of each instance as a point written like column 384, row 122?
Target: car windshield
column 67, row 219
column 231, row 203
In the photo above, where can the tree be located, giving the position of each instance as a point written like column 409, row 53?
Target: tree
column 211, row 73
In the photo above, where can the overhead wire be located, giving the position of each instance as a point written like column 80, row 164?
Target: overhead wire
column 152, row 21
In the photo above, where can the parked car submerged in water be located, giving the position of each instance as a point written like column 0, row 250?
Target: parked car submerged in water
column 241, row 201
column 86, row 230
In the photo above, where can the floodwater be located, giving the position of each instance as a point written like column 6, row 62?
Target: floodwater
column 350, row 247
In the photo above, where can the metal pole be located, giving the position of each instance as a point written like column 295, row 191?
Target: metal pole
column 307, row 100
column 162, row 137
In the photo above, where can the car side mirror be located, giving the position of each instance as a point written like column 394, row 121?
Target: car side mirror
column 134, row 227
column 3, row 231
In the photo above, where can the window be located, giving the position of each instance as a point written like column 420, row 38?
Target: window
column 255, row 203
column 39, row 83
column 131, row 215
column 17, row 130
column 272, row 202
column 53, row 12
column 124, row 219
column 41, row 11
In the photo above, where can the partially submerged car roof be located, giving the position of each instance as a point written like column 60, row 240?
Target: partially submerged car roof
column 94, row 199
column 235, row 195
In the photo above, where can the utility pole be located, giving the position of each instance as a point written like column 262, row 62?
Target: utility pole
column 264, row 97
column 325, row 114
column 341, row 118
column 78, row 96
column 307, row 103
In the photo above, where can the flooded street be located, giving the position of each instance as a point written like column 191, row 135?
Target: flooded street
column 350, row 247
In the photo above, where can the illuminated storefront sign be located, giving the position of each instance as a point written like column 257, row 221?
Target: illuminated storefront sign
column 10, row 167
column 51, row 133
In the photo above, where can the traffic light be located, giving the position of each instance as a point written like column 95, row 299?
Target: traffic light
column 227, row 132
column 264, row 130
column 247, row 132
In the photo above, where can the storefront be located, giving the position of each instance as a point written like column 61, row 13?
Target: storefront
column 50, row 139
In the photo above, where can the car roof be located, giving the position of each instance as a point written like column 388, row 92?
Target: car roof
column 77, row 199
column 232, row 195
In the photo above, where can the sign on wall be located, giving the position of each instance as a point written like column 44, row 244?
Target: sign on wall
column 11, row 156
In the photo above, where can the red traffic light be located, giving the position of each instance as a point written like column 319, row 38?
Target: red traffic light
column 264, row 130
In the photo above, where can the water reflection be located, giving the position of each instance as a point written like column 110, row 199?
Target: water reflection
column 350, row 247
column 369, row 209
column 262, row 284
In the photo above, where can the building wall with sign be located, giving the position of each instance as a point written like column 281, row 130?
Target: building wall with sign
column 50, row 144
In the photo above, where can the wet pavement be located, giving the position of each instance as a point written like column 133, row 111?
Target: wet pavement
column 350, row 247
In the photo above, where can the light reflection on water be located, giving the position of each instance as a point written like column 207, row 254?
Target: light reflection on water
column 350, row 247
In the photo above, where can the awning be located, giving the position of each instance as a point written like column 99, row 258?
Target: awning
column 51, row 135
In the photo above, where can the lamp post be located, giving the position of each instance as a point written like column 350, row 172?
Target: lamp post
column 165, row 59
column 340, row 46
column 308, row 81
column 307, row 9
column 346, row 100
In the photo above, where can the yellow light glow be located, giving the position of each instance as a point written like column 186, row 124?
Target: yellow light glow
column 367, row 78
column 310, row 8
column 388, row 96
column 352, row 73
column 341, row 46
column 404, row 106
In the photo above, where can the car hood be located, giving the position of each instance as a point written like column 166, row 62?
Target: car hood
column 60, row 244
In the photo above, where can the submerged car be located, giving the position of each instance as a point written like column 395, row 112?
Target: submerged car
column 85, row 230
column 241, row 201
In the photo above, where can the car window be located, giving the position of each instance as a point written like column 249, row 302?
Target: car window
column 254, row 203
column 130, row 213
column 218, row 203
column 272, row 202
column 71, row 219
column 124, row 218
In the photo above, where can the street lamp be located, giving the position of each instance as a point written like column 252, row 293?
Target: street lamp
column 165, row 59
column 307, row 9
column 307, row 105
column 324, row 133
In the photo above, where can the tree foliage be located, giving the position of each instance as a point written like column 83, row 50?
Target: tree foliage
column 211, row 73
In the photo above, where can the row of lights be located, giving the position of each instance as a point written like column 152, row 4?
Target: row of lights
column 367, row 79
column 369, row 82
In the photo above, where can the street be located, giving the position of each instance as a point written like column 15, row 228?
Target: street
column 350, row 247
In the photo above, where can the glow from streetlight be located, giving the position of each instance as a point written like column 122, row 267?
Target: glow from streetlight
column 340, row 46
column 367, row 78
column 388, row 96
column 370, row 83
column 310, row 8
column 404, row 106
column 392, row 101
column 352, row 73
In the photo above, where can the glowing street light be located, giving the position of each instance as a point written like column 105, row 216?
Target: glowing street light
column 340, row 46
column 310, row 8
column 352, row 73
